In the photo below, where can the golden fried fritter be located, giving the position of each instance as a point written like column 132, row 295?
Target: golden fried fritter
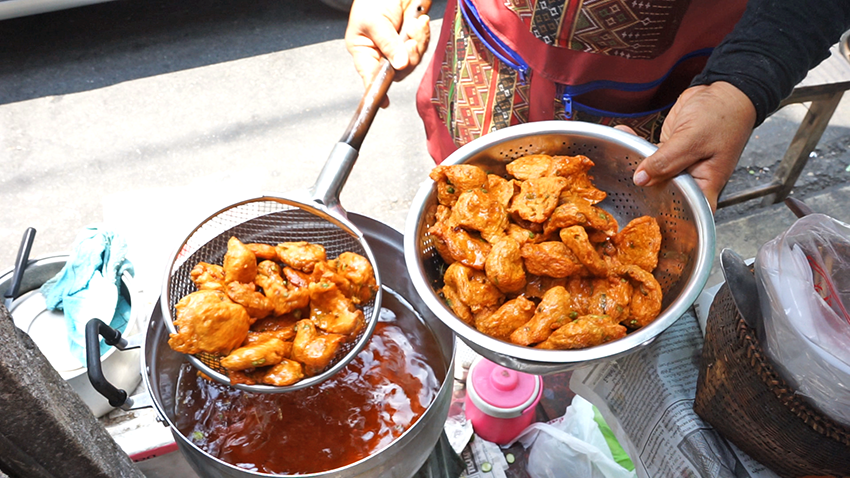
column 510, row 316
column 208, row 276
column 504, row 266
column 537, row 198
column 285, row 373
column 552, row 312
column 315, row 351
column 452, row 299
column 300, row 255
column 264, row 252
column 261, row 353
column 577, row 213
column 459, row 245
column 639, row 243
column 472, row 286
column 575, row 238
column 500, row 189
column 246, row 295
column 551, row 258
column 361, row 276
column 585, row 331
column 208, row 321
column 284, row 297
column 476, row 210
column 646, row 297
column 240, row 264
column 611, row 296
column 456, row 179
column 332, row 311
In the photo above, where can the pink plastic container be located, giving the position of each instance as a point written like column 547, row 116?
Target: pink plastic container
column 499, row 401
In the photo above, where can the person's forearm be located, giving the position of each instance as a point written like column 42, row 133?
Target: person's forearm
column 773, row 46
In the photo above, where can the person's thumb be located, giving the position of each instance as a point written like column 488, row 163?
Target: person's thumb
column 671, row 158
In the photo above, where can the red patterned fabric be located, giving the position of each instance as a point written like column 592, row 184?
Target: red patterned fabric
column 468, row 91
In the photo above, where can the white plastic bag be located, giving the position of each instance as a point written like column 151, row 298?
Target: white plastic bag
column 804, row 289
column 570, row 446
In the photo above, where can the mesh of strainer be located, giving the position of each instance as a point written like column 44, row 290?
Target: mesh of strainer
column 269, row 221
column 686, row 224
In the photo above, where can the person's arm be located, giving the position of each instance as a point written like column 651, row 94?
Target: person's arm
column 770, row 50
column 373, row 31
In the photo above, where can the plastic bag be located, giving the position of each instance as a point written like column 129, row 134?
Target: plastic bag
column 804, row 289
column 573, row 442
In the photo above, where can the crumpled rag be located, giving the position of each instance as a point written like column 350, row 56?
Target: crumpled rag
column 88, row 287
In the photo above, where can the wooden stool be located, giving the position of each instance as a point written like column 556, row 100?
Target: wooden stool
column 823, row 87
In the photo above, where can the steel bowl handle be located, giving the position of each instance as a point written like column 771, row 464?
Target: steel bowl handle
column 116, row 396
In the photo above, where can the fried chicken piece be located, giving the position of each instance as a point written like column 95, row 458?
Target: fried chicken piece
column 472, row 286
column 581, row 290
column 258, row 305
column 537, row 198
column 265, row 252
column 477, row 211
column 576, row 213
column 576, row 240
column 500, row 189
column 512, row 315
column 611, row 297
column 645, row 304
column 300, row 255
column 207, row 321
column 285, row 373
column 552, row 312
column 452, row 299
column 456, row 179
column 639, row 243
column 315, row 351
column 551, row 258
column 332, row 311
column 240, row 264
column 258, row 354
column 284, row 297
column 504, row 266
column 208, row 276
column 459, row 245
column 585, row 331
column 358, row 270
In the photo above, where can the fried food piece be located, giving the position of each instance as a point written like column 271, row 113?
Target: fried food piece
column 208, row 276
column 645, row 304
column 285, row 373
column 504, row 266
column 472, row 287
column 575, row 238
column 477, row 211
column 500, row 189
column 611, row 297
column 459, row 245
column 551, row 258
column 358, row 270
column 284, row 336
column 258, row 354
column 581, row 290
column 246, row 295
column 332, row 311
column 536, row 286
column 639, row 243
column 240, row 264
column 552, row 312
column 456, row 179
column 530, row 167
column 452, row 299
column 537, row 198
column 300, row 255
column 315, row 351
column 510, row 316
column 265, row 252
column 577, row 213
column 207, row 321
column 284, row 297
column 585, row 331
column 522, row 235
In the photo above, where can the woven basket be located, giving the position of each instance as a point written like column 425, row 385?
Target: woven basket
column 740, row 394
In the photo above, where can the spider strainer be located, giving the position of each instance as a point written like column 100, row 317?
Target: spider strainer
column 313, row 216
column 682, row 212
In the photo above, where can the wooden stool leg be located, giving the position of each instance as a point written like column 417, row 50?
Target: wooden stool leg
column 804, row 142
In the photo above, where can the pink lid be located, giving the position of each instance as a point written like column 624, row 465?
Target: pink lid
column 502, row 388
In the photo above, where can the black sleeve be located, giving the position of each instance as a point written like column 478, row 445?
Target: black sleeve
column 773, row 46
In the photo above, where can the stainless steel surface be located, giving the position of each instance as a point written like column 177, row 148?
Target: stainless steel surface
column 742, row 284
column 405, row 455
column 121, row 368
column 683, row 214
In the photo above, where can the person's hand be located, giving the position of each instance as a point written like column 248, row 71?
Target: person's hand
column 704, row 134
column 373, row 32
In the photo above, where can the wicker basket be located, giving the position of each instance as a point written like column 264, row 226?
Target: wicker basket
column 740, row 394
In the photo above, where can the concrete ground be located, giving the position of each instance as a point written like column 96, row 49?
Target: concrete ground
column 144, row 115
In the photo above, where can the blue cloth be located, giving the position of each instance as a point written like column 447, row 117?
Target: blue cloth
column 88, row 287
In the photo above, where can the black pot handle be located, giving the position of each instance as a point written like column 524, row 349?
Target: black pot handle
column 94, row 329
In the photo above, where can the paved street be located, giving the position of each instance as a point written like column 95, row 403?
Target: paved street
column 146, row 114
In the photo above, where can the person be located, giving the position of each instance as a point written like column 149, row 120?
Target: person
column 694, row 76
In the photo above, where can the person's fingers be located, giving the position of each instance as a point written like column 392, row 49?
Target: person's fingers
column 416, row 45
column 625, row 128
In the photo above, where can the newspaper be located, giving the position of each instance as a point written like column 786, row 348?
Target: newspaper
column 647, row 399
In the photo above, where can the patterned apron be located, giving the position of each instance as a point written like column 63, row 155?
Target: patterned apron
column 505, row 62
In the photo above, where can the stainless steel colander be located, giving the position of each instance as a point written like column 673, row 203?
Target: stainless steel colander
column 682, row 212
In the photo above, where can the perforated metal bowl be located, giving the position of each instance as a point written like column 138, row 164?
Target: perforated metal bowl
column 682, row 212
